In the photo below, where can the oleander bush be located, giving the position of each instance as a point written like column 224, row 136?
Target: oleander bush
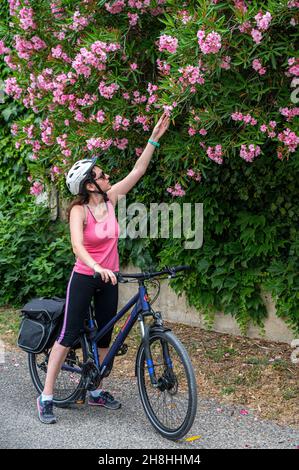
column 95, row 76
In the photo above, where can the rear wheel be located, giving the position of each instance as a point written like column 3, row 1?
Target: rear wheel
column 171, row 406
column 70, row 383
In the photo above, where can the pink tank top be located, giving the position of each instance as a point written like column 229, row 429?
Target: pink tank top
column 100, row 239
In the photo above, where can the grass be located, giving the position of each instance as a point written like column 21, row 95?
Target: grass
column 254, row 373
column 9, row 325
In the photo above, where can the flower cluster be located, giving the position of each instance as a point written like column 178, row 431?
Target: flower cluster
column 249, row 153
column 26, row 18
column 80, row 22
column 190, row 76
column 289, row 113
column 289, row 138
column 62, row 142
column 196, row 176
column 96, row 57
column 163, row 67
column 177, row 190
column 210, row 44
column 46, row 127
column 120, row 123
column 25, row 48
column 263, row 23
column 257, row 66
column 240, row 5
column 37, row 188
column 167, row 43
column 269, row 128
column 184, row 16
column 225, row 62
column 108, row 91
column 55, row 170
column 246, row 118
column 98, row 142
column 12, row 88
column 192, row 131
column 294, row 66
column 57, row 53
column 121, row 144
column 215, row 154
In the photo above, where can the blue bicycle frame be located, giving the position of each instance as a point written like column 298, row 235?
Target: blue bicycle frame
column 142, row 306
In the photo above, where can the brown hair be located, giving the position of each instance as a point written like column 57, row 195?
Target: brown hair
column 82, row 198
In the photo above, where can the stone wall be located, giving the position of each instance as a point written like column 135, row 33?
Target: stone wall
column 176, row 309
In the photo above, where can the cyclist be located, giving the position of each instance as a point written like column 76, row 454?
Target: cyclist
column 94, row 235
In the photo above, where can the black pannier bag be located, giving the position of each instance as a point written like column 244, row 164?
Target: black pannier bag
column 41, row 324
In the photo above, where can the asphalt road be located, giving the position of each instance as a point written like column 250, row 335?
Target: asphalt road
column 88, row 427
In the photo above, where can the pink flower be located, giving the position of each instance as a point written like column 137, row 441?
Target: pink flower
column 133, row 18
column 36, row 188
column 116, row 7
column 289, row 113
column 256, row 35
column 193, row 175
column 237, row 116
column 120, row 123
column 3, row 49
column 191, row 131
column 107, row 91
column 167, row 43
column 289, row 138
column 248, row 154
column 225, row 64
column 190, row 76
column 26, row 18
column 256, row 64
column 163, row 67
column 12, row 88
column 263, row 21
column 215, row 154
column 240, row 5
column 177, row 190
column 133, row 66
column 244, row 412
column 211, row 44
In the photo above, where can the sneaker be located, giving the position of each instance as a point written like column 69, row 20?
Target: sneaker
column 45, row 411
column 104, row 399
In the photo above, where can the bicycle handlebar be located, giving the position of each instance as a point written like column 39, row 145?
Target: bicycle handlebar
column 148, row 275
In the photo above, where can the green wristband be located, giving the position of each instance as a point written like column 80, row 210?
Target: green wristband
column 156, row 144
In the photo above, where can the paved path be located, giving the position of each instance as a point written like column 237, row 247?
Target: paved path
column 128, row 428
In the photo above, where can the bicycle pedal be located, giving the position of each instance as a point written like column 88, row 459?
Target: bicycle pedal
column 122, row 350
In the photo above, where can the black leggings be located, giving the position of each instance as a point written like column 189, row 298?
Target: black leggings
column 81, row 288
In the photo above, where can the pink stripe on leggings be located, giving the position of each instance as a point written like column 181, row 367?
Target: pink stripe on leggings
column 66, row 309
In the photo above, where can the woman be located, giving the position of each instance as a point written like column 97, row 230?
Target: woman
column 94, row 235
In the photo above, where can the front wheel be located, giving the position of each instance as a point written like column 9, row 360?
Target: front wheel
column 171, row 406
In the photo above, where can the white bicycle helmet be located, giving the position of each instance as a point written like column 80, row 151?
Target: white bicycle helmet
column 78, row 174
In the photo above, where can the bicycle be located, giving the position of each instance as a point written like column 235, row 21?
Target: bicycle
column 165, row 376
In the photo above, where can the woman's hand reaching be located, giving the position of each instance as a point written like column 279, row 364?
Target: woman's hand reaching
column 161, row 127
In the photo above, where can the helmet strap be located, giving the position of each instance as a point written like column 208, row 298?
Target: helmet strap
column 100, row 191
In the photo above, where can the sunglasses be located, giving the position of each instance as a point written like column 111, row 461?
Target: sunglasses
column 102, row 176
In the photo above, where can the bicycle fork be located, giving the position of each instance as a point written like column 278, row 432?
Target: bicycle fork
column 145, row 331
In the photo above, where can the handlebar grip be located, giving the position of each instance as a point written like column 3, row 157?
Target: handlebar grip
column 96, row 275
column 181, row 268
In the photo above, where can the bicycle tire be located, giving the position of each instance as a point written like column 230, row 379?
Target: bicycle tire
column 39, row 386
column 141, row 370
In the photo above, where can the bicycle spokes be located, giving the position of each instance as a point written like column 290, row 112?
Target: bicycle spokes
column 169, row 398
